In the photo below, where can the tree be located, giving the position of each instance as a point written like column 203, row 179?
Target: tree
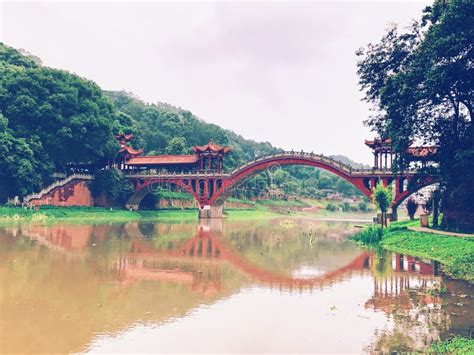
column 412, row 206
column 382, row 197
column 421, row 85
column 177, row 146
column 49, row 118
column 363, row 206
column 113, row 185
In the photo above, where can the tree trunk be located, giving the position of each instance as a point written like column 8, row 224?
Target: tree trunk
column 435, row 208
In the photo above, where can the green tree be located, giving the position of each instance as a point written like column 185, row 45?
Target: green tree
column 382, row 197
column 177, row 146
column 421, row 84
column 412, row 206
column 112, row 184
column 50, row 118
column 363, row 207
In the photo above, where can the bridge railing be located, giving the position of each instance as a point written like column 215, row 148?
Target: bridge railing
column 285, row 154
column 312, row 156
column 36, row 196
column 183, row 175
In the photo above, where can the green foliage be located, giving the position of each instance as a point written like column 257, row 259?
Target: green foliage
column 346, row 207
column 51, row 118
column 420, row 82
column 113, row 184
column 48, row 118
column 456, row 345
column 412, row 206
column 363, row 207
column 331, row 207
column 454, row 253
column 371, row 235
column 382, row 197
column 177, row 146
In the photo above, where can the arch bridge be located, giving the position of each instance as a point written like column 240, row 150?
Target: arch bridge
column 211, row 188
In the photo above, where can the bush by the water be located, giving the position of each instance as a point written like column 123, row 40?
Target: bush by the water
column 456, row 345
column 370, row 235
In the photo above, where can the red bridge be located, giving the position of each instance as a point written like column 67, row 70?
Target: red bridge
column 202, row 175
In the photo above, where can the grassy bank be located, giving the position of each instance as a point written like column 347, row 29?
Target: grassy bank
column 454, row 253
column 99, row 214
column 457, row 345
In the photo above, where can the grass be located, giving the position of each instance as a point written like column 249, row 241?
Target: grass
column 174, row 195
column 100, row 214
column 454, row 253
column 371, row 235
column 457, row 345
column 283, row 203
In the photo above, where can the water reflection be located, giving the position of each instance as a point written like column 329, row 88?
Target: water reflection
column 105, row 287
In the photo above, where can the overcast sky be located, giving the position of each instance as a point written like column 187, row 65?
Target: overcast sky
column 270, row 71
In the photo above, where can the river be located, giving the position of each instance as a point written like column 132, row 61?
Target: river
column 282, row 285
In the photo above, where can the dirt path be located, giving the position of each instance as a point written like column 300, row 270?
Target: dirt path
column 435, row 231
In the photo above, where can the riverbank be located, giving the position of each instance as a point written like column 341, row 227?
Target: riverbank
column 99, row 214
column 456, row 254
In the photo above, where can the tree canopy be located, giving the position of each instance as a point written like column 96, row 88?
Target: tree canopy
column 50, row 118
column 420, row 82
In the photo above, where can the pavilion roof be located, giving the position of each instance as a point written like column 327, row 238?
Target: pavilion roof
column 130, row 150
column 124, row 137
column 211, row 147
column 377, row 141
column 163, row 159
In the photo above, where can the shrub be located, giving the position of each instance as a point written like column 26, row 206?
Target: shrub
column 371, row 235
column 331, row 207
column 346, row 207
column 363, row 206
column 113, row 184
column 412, row 206
column 383, row 198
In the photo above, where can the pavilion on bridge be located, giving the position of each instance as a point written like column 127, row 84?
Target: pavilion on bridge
column 206, row 158
column 383, row 153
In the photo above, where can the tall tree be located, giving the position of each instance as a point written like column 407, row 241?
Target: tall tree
column 52, row 118
column 420, row 82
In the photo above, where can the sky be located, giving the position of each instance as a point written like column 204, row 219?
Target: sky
column 282, row 72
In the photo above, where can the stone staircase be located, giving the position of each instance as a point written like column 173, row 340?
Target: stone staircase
column 60, row 183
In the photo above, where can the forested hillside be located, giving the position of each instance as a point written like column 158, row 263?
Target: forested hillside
column 50, row 118
column 164, row 129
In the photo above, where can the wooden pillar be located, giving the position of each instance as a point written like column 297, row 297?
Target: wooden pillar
column 375, row 160
column 206, row 189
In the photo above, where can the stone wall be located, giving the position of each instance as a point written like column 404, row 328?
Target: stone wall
column 74, row 193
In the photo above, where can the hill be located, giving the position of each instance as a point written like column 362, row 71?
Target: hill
column 50, row 118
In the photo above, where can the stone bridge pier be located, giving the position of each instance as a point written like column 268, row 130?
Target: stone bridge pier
column 211, row 211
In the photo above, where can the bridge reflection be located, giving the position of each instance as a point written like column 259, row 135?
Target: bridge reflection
column 83, row 280
column 197, row 260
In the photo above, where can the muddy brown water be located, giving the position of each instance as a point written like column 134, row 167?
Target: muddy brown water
column 226, row 286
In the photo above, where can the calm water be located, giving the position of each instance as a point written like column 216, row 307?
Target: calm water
column 237, row 286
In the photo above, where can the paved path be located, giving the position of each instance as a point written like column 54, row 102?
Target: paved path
column 435, row 231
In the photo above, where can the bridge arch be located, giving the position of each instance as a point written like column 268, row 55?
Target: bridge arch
column 211, row 189
column 285, row 159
